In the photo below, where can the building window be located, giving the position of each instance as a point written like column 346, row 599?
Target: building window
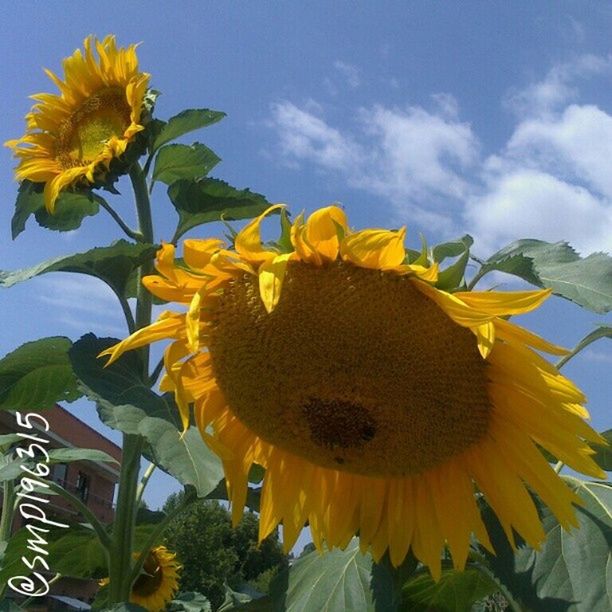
column 59, row 473
column 83, row 486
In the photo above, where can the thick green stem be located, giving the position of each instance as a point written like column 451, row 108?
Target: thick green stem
column 122, row 546
column 8, row 510
column 125, row 520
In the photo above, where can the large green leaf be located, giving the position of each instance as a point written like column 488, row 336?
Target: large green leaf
column 13, row 469
column 208, row 199
column 454, row 592
column 74, row 551
column 178, row 161
column 126, row 403
column 572, row 566
column 70, row 208
column 37, row 375
column 585, row 281
column 571, row 570
column 114, row 264
column 338, row 580
column 185, row 122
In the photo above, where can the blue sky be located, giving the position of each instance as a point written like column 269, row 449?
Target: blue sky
column 488, row 118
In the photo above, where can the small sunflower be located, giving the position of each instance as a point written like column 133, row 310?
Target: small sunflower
column 71, row 138
column 377, row 403
column 158, row 580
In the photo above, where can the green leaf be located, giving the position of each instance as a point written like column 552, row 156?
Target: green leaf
column 342, row 579
column 185, row 122
column 207, row 200
column 66, row 455
column 569, row 572
column 126, row 403
column 189, row 602
column 178, row 161
column 452, row 249
column 454, row 592
column 74, row 551
column 452, row 277
column 572, row 565
column 7, row 439
column 585, row 281
column 37, row 375
column 13, row 469
column 71, row 208
column 603, row 454
column 114, row 264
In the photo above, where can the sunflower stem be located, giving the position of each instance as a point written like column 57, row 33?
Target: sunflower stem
column 120, row 567
column 130, row 233
column 481, row 272
column 125, row 521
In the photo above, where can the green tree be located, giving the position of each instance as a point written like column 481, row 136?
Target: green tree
column 214, row 554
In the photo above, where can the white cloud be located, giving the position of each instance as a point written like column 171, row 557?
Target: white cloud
column 349, row 73
column 551, row 180
column 557, row 87
column 525, row 203
column 304, row 136
column 579, row 142
column 404, row 155
column 598, row 356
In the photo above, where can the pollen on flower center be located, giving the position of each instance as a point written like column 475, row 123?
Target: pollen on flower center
column 101, row 117
column 355, row 369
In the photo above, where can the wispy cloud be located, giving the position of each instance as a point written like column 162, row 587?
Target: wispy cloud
column 558, row 87
column 405, row 155
column 349, row 73
column 550, row 180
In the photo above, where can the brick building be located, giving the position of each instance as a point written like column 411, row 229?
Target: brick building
column 92, row 481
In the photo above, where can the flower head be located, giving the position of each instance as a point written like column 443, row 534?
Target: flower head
column 158, row 580
column 377, row 403
column 72, row 137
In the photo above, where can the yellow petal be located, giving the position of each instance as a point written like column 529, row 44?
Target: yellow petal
column 318, row 240
column 169, row 325
column 377, row 249
column 198, row 253
column 502, row 303
column 248, row 239
column 271, row 275
column 486, row 338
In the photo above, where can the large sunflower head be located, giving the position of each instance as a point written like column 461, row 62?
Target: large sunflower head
column 377, row 403
column 72, row 137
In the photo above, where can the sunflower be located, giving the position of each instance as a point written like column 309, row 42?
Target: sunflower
column 71, row 138
column 158, row 580
column 378, row 404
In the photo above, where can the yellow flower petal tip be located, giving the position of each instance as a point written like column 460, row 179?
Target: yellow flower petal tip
column 377, row 403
